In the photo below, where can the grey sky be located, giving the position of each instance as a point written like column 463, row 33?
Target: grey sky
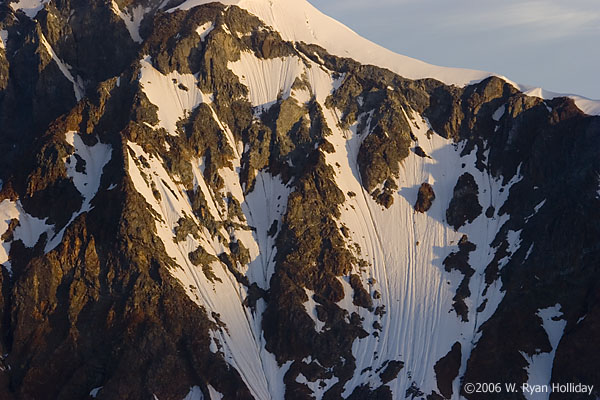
column 554, row 44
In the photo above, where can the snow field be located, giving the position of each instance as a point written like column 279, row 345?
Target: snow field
column 240, row 340
column 174, row 94
column 540, row 364
column 405, row 250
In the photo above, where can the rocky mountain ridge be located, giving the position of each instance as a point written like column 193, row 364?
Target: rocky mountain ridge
column 194, row 206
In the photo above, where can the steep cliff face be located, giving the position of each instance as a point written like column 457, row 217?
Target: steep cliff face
column 210, row 201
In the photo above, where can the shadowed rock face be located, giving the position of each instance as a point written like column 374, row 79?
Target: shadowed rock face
column 464, row 206
column 446, row 370
column 95, row 298
column 459, row 261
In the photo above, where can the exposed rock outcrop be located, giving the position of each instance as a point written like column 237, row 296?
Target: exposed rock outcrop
column 425, row 198
column 446, row 370
column 464, row 206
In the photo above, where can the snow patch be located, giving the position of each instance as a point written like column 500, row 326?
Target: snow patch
column 3, row 39
column 303, row 96
column 94, row 392
column 514, row 240
column 529, row 250
column 262, row 207
column 94, row 159
column 499, row 113
column 28, row 231
column 174, row 94
column 536, row 209
column 266, row 79
column 214, row 394
column 90, row 160
column 347, row 301
column 540, row 365
column 199, row 183
column 271, row 79
column 540, row 205
column 311, row 309
column 195, row 394
column 29, row 7
column 204, row 29
column 318, row 387
column 132, row 19
column 588, row 106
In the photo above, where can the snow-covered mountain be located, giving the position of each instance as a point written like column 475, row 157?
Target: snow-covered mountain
column 247, row 200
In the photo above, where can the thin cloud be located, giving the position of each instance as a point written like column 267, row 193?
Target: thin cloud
column 356, row 5
column 539, row 20
column 542, row 20
column 550, row 43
